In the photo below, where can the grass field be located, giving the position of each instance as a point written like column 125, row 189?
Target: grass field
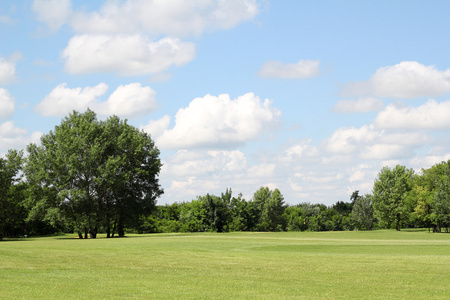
column 324, row 265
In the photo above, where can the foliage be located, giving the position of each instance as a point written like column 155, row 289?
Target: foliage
column 389, row 194
column 362, row 213
column 94, row 174
column 10, row 193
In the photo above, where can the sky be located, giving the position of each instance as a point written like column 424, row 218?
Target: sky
column 311, row 97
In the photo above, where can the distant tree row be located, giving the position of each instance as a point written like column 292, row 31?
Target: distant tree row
column 400, row 199
column 89, row 176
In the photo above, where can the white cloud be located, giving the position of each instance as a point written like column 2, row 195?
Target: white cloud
column 172, row 18
column 8, row 68
column 262, row 171
column 63, row 100
column 125, row 54
column 347, row 140
column 54, row 13
column 8, row 129
column 430, row 115
column 190, row 173
column 157, row 127
column 299, row 151
column 358, row 175
column 386, row 152
column 119, row 38
column 218, row 122
column 6, row 104
column 127, row 100
column 302, row 69
column 408, row 79
column 205, row 163
column 369, row 142
column 12, row 137
column 358, row 106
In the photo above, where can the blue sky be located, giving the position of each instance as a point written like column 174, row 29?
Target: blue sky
column 311, row 97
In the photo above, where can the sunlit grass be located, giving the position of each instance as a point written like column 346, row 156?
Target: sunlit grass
column 326, row 265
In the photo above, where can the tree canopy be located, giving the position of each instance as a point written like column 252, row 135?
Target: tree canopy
column 100, row 173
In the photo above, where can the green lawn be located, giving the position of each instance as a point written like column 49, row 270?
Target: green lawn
column 325, row 265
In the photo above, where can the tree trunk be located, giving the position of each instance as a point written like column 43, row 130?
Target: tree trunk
column 108, row 232
column 80, row 235
column 114, row 228
column 93, row 233
column 120, row 229
column 85, row 233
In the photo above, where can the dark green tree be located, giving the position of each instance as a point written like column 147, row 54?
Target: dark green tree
column 10, row 209
column 241, row 215
column 441, row 205
column 100, row 173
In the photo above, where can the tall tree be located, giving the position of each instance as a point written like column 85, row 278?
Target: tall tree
column 272, row 214
column 389, row 194
column 269, row 208
column 362, row 212
column 9, row 171
column 101, row 172
column 441, row 209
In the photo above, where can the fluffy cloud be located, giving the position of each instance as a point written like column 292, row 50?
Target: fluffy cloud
column 13, row 137
column 358, row 106
column 54, row 13
column 117, row 37
column 8, row 68
column 125, row 54
column 408, row 79
column 172, row 18
column 369, row 142
column 62, row 100
column 6, row 104
column 302, row 69
column 217, row 122
column 127, row 100
column 431, row 115
column 349, row 139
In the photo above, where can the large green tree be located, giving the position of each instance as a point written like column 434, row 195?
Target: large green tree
column 390, row 191
column 100, row 173
column 9, row 176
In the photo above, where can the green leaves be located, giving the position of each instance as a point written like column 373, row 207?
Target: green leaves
column 105, row 173
column 389, row 194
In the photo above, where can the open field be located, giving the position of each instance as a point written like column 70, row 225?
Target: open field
column 324, row 265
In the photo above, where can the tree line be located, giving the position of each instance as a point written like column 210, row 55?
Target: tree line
column 89, row 176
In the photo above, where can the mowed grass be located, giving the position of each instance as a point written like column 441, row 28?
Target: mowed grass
column 303, row 265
